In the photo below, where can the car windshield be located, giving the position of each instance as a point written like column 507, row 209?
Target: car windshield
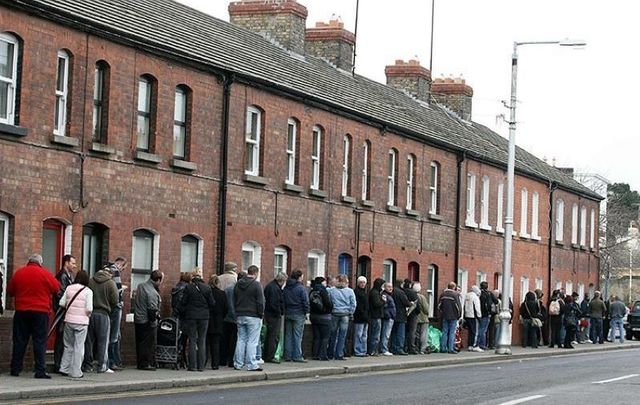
column 636, row 307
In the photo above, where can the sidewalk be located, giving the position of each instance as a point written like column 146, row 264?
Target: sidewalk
column 130, row 380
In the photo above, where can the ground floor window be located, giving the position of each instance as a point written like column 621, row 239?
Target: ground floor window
column 4, row 255
column 389, row 271
column 315, row 264
column 251, row 255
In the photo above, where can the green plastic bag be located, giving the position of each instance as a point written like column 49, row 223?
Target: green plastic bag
column 434, row 339
column 277, row 356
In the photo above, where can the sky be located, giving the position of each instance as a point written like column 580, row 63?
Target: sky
column 575, row 106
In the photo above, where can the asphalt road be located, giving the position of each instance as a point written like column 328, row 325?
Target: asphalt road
column 612, row 377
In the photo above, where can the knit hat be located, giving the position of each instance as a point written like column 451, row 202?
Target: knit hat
column 230, row 266
column 318, row 280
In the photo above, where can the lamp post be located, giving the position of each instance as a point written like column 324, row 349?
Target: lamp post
column 504, row 343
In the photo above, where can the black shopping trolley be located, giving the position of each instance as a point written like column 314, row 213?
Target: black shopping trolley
column 168, row 348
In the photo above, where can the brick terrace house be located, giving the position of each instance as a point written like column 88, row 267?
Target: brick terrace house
column 153, row 131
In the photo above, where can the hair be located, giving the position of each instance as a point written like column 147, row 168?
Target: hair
column 281, row 277
column 296, row 274
column 387, row 284
column 214, row 281
column 196, row 273
column 66, row 259
column 82, row 278
column 451, row 286
column 416, row 287
column 186, row 277
column 253, row 270
column 156, row 275
column 36, row 258
column 342, row 281
column 568, row 299
column 406, row 284
column 484, row 285
column 242, row 274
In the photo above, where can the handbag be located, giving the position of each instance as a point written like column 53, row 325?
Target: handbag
column 62, row 311
column 536, row 322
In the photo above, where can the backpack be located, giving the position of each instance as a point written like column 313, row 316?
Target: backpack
column 315, row 302
column 554, row 307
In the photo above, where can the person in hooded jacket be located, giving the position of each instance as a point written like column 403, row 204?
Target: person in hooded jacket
column 249, row 308
column 321, row 307
column 216, row 321
column 487, row 300
column 555, row 319
column 376, row 308
column 388, row 318
column 398, row 333
column 361, row 318
column 105, row 299
column 273, row 313
column 472, row 315
column 177, row 293
column 530, row 309
column 450, row 312
column 296, row 308
column 412, row 317
column 571, row 315
column 196, row 304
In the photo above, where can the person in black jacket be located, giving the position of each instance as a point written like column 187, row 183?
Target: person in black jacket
column 177, row 293
column 399, row 324
column 248, row 305
column 376, row 306
column 216, row 321
column 361, row 318
column 572, row 314
column 320, row 306
column 556, row 308
column 487, row 299
column 412, row 317
column 197, row 303
column 530, row 309
column 273, row 312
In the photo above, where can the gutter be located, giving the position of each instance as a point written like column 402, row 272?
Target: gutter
column 224, row 164
column 456, row 259
column 552, row 188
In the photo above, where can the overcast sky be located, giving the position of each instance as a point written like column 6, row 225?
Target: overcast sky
column 575, row 106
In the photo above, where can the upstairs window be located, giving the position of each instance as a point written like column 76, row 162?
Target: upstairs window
column 471, row 201
column 9, row 50
column 147, row 99
column 484, row 203
column 583, row 226
column 253, row 132
column 535, row 207
column 292, row 139
column 592, row 230
column 500, row 209
column 366, row 165
column 559, row 221
column 434, row 193
column 392, row 173
column 524, row 212
column 411, row 167
column 62, row 94
column 574, row 224
column 101, row 102
column 181, row 118
column 316, row 159
column 346, row 166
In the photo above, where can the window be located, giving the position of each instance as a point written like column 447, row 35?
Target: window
column 101, row 102
column 471, row 201
column 280, row 260
column 315, row 264
column 389, row 270
column 366, row 165
column 292, row 139
column 581, row 291
column 463, row 280
column 9, row 51
column 181, row 119
column 346, row 166
column 364, row 267
column 411, row 182
column 559, row 220
column 484, row 204
column 569, row 287
column 524, row 288
column 316, row 159
column 574, row 224
column 190, row 253
column 434, row 203
column 592, row 229
column 344, row 264
column 583, row 226
column 432, row 285
column 391, row 177
column 539, row 284
column 252, row 141
column 480, row 277
column 4, row 255
column 146, row 113
column 251, row 255
column 500, row 286
column 524, row 212
column 500, row 209
column 62, row 94
column 413, row 271
column 144, row 256
column 95, row 243
column 535, row 203
column 559, row 285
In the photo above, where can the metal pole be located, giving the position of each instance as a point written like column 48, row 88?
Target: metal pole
column 433, row 7
column 355, row 44
column 504, row 343
column 630, row 274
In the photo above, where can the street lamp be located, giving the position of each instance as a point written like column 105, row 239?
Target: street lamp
column 504, row 343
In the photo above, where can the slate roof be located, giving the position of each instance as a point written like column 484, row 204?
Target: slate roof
column 169, row 27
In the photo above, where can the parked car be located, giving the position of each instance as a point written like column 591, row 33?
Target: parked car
column 632, row 324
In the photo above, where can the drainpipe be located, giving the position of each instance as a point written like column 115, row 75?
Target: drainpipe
column 552, row 189
column 224, row 163
column 460, row 160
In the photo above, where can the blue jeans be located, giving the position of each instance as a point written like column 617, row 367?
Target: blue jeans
column 617, row 324
column 482, row 335
column 340, row 326
column 597, row 333
column 387, row 325
column 248, row 338
column 360, row 338
column 375, row 327
column 114, row 338
column 399, row 329
column 448, row 339
column 497, row 330
column 293, row 330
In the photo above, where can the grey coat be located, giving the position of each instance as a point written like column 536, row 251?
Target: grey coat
column 146, row 305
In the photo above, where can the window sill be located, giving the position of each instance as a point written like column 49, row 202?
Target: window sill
column 393, row 208
column 147, row 157
column 102, row 148
column 583, row 247
column 559, row 243
column 249, row 178
column 575, row 245
column 347, row 199
column 485, row 227
column 500, row 230
column 184, row 165
column 470, row 224
column 64, row 140
column 536, row 238
column 412, row 213
column 317, row 193
column 367, row 203
column 524, row 236
column 13, row 130
column 435, row 217
column 293, row 188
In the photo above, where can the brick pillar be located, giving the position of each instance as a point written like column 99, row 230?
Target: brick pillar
column 331, row 42
column 410, row 77
column 455, row 94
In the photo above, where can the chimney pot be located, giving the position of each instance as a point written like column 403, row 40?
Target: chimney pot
column 410, row 77
column 454, row 93
column 332, row 42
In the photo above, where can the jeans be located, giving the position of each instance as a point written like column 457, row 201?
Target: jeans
column 98, row 336
column 71, row 362
column 293, row 330
column 196, row 330
column 399, row 329
column 387, row 325
column 497, row 330
column 482, row 335
column 375, row 327
column 321, row 327
column 584, row 333
column 617, row 325
column 29, row 324
column 597, row 334
column 448, row 339
column 360, row 338
column 340, row 326
column 474, row 328
column 423, row 333
column 248, row 339
column 114, row 338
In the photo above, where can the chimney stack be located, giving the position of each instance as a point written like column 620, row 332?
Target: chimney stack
column 331, row 42
column 455, row 94
column 283, row 21
column 410, row 77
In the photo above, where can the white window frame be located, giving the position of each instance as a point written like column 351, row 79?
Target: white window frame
column 143, row 133
column 391, row 178
column 256, row 254
column 524, row 212
column 139, row 278
column 98, row 101
column 365, row 171
column 4, row 220
column 524, row 287
column 574, row 224
column 463, row 280
column 410, row 168
column 284, row 253
column 511, row 291
column 62, row 95
column 580, row 291
column 292, row 138
column 346, row 146
column 430, row 288
column 484, row 204
column 470, row 220
column 316, row 153
column 321, row 258
column 568, row 286
column 253, row 144
column 388, row 270
column 539, row 284
column 559, row 220
column 535, row 210
column 433, row 189
column 559, row 286
column 480, row 277
column 180, row 123
column 200, row 251
column 500, row 209
column 583, row 226
column 592, row 229
column 11, row 81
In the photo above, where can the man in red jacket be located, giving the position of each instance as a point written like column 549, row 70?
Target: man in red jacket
column 33, row 287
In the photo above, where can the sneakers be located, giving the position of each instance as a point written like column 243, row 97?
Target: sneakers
column 109, row 371
column 260, row 361
column 475, row 349
column 387, row 354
